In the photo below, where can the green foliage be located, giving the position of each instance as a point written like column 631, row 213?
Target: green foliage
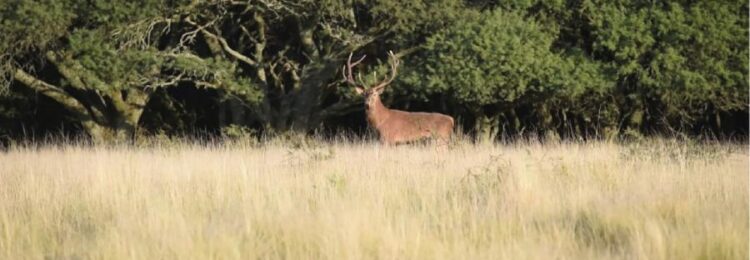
column 495, row 57
column 570, row 67
column 411, row 20
column 30, row 25
column 95, row 54
column 681, row 58
column 503, row 60
column 500, row 57
column 598, row 64
column 113, row 13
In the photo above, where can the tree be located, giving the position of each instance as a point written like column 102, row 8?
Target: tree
column 100, row 60
column 497, row 62
column 292, row 51
column 578, row 67
column 676, row 61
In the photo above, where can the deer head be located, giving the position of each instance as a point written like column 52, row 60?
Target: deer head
column 371, row 93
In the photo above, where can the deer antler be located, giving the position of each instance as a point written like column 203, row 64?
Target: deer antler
column 394, row 61
column 348, row 68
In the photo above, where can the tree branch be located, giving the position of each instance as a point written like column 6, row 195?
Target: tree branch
column 74, row 80
column 117, row 100
column 75, row 74
column 306, row 35
column 54, row 93
column 77, row 80
column 164, row 83
column 260, row 45
column 224, row 45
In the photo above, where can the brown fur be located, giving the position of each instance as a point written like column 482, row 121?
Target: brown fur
column 396, row 126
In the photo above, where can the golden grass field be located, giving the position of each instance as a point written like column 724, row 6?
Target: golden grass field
column 658, row 199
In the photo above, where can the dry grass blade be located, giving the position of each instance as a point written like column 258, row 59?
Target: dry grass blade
column 362, row 200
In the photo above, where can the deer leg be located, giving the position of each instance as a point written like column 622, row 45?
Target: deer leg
column 444, row 138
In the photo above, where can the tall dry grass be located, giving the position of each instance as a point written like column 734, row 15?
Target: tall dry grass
column 655, row 200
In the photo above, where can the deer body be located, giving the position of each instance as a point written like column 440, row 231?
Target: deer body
column 396, row 126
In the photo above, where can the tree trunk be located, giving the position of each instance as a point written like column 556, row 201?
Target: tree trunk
column 547, row 123
column 117, row 126
column 486, row 127
column 515, row 121
column 110, row 134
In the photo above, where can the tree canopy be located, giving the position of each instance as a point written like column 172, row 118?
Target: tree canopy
column 585, row 68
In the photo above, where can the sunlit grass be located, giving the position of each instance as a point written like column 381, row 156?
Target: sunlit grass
column 651, row 200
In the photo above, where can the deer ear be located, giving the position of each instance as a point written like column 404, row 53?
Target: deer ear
column 380, row 90
column 359, row 90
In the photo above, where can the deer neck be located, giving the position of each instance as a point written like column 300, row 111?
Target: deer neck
column 377, row 113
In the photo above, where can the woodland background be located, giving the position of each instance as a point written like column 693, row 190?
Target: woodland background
column 114, row 70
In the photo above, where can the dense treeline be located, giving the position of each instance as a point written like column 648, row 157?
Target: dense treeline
column 575, row 68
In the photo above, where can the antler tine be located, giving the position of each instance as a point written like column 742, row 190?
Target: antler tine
column 394, row 69
column 348, row 68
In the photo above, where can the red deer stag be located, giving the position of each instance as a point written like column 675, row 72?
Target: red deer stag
column 396, row 126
